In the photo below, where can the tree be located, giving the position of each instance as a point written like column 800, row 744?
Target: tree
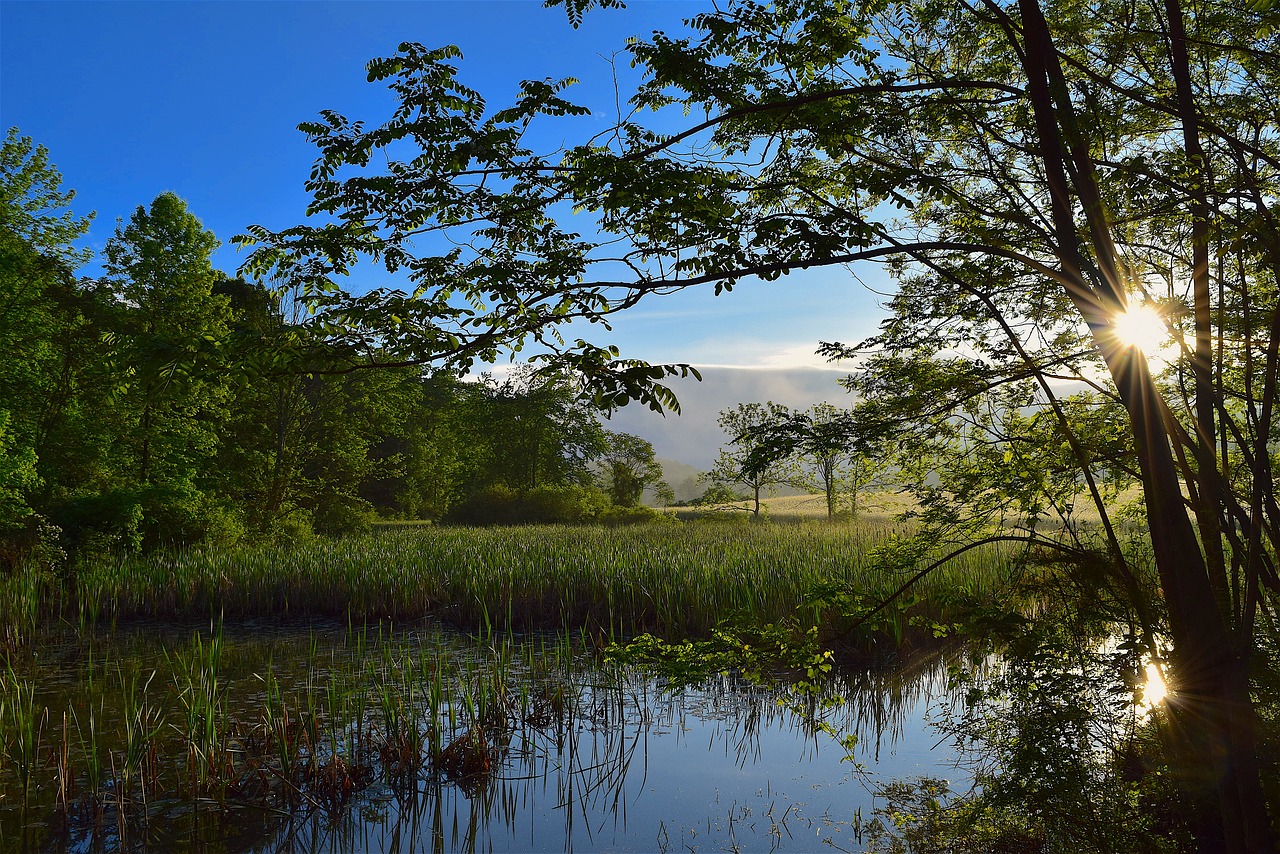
column 37, row 293
column 538, row 431
column 1027, row 182
column 174, row 396
column 739, row 461
column 49, row 332
column 717, row 495
column 629, row 467
column 842, row 461
column 32, row 202
column 18, row 479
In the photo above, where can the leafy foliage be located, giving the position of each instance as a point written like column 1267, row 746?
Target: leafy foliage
column 740, row 461
column 629, row 466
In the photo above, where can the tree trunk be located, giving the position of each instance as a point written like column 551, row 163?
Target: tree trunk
column 1210, row 707
column 829, row 483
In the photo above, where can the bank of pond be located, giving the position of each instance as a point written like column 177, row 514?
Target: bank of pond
column 671, row 687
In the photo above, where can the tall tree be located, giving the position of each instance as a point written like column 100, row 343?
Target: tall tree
column 49, row 330
column 840, row 459
column 33, row 205
column 1031, row 170
column 629, row 466
column 538, row 431
column 173, row 400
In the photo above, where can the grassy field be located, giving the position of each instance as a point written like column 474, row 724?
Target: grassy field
column 678, row 579
column 874, row 508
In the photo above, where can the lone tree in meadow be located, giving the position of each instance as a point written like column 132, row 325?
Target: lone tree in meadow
column 736, row 466
column 1037, row 175
column 629, row 466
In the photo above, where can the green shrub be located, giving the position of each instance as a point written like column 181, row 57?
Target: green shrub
column 637, row 515
column 493, row 505
column 292, row 528
column 502, row 505
column 344, row 516
column 101, row 524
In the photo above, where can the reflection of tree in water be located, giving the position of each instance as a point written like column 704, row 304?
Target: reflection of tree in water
column 590, row 765
column 560, row 755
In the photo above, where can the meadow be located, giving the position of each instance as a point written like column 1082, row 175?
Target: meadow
column 673, row 579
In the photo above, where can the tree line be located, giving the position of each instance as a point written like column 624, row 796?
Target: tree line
column 165, row 403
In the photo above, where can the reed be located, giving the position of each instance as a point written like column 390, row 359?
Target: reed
column 673, row 580
column 201, row 693
column 142, row 723
column 30, row 600
column 376, row 707
column 22, row 722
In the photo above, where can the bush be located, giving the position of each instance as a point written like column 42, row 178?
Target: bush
column 637, row 515
column 493, row 505
column 550, row 504
column 152, row 518
column 177, row 515
column 293, row 527
column 102, row 524
column 502, row 505
column 717, row 494
column 31, row 543
column 344, row 516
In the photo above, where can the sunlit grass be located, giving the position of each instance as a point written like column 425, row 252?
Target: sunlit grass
column 678, row 580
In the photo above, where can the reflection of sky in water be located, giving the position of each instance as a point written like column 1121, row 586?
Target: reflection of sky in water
column 636, row 768
column 706, row 769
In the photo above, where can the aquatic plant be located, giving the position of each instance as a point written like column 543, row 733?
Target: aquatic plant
column 673, row 580
column 22, row 722
column 202, row 695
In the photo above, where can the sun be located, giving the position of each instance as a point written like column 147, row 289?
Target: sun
column 1142, row 327
column 1154, row 690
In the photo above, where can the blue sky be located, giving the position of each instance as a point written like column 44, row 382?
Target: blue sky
column 203, row 99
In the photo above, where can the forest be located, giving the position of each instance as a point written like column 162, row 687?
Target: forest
column 1074, row 392
column 159, row 406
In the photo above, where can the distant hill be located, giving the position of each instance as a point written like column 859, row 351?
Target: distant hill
column 694, row 438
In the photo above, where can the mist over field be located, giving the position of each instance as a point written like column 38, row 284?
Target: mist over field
column 693, row 437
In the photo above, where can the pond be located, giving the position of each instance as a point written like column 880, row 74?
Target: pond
column 268, row 737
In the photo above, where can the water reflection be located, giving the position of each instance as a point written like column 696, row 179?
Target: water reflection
column 530, row 745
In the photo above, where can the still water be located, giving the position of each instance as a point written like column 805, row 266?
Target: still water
column 533, row 745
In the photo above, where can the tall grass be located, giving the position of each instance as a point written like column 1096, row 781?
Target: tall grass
column 677, row 580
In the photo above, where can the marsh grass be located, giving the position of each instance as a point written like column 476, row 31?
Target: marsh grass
column 367, row 710
column 202, row 727
column 133, row 744
column 677, row 580
column 22, row 724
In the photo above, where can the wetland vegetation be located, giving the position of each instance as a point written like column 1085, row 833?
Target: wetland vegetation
column 510, row 688
column 1074, row 390
column 145, row 731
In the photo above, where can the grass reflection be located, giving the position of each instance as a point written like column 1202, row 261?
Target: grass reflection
column 264, row 738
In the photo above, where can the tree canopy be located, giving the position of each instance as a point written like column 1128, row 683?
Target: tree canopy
column 1028, row 170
